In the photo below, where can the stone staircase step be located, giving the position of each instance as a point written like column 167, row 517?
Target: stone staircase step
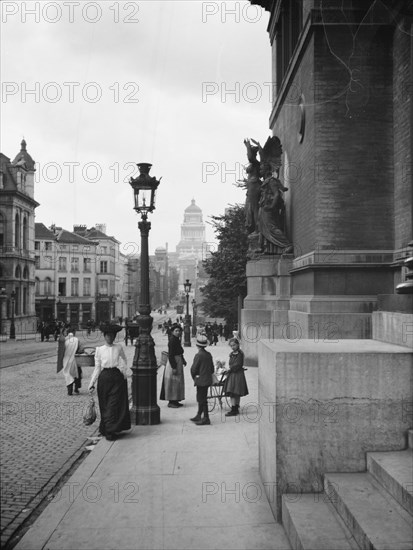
column 373, row 516
column 311, row 524
column 394, row 470
column 410, row 439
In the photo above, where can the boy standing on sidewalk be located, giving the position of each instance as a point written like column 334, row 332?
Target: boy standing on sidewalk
column 201, row 371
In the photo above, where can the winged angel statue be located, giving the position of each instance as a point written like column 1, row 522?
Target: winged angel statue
column 264, row 204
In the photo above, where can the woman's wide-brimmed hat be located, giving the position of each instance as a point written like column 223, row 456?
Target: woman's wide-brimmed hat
column 202, row 340
column 108, row 328
column 174, row 326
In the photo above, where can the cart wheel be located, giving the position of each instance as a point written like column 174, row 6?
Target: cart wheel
column 211, row 398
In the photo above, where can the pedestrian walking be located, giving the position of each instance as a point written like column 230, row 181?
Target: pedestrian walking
column 112, row 386
column 235, row 385
column 68, row 346
column 201, row 371
column 173, row 383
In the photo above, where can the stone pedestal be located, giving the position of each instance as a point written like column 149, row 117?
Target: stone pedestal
column 265, row 312
column 324, row 405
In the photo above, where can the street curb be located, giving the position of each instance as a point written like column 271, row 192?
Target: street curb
column 53, row 514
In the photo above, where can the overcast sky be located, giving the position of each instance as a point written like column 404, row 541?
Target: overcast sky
column 117, row 83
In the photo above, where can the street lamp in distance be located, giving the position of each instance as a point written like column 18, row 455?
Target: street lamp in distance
column 194, row 306
column 145, row 409
column 12, row 327
column 187, row 326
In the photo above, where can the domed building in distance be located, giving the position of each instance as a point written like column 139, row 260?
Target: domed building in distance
column 192, row 248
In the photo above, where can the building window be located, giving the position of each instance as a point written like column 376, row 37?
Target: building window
column 75, row 287
column 25, row 273
column 62, row 286
column 48, row 286
column 48, row 260
column 17, row 231
column 103, row 267
column 37, row 286
column 25, row 235
column 86, row 287
column 62, row 264
column 87, row 265
column 103, row 287
column 74, row 264
column 2, row 228
column 24, row 289
column 37, row 245
column 37, row 262
column 48, row 246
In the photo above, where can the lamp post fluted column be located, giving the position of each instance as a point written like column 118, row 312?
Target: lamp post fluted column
column 145, row 409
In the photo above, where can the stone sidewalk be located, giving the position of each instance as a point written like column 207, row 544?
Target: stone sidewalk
column 174, row 485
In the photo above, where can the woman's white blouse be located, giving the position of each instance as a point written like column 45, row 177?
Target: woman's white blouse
column 108, row 357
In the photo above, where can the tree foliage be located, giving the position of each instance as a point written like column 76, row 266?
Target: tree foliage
column 226, row 266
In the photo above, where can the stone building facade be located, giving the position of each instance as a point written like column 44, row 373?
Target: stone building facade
column 17, row 263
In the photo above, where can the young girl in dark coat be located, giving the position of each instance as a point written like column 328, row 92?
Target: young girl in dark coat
column 235, row 385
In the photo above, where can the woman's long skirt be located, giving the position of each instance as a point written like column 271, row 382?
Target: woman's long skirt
column 173, row 383
column 113, row 402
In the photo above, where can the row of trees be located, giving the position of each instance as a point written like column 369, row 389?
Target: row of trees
column 227, row 266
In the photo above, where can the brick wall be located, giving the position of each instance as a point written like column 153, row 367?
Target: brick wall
column 354, row 138
column 300, row 199
column 402, row 90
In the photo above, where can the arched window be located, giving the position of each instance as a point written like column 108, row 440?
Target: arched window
column 18, row 272
column 17, row 231
column 47, row 286
column 37, row 286
column 25, row 273
column 2, row 230
column 25, row 234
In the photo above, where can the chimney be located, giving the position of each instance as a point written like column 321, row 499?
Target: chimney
column 101, row 227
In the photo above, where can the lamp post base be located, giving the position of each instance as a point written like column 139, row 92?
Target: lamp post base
column 187, row 334
column 145, row 410
column 145, row 416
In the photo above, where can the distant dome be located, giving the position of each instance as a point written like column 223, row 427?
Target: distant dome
column 193, row 207
column 160, row 249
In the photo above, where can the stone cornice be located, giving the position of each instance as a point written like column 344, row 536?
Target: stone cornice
column 20, row 195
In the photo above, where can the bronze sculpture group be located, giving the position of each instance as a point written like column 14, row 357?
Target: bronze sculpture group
column 264, row 204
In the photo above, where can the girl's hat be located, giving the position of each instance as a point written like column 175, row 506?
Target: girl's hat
column 202, row 340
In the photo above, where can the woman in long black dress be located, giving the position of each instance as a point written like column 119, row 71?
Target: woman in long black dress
column 235, row 385
column 110, row 374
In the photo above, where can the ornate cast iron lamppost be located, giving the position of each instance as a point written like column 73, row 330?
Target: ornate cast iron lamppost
column 187, row 327
column 12, row 327
column 194, row 318
column 145, row 409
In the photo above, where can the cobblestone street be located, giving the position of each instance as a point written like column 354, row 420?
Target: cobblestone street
column 43, row 435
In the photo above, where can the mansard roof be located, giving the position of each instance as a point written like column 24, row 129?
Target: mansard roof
column 42, row 233
column 65, row 236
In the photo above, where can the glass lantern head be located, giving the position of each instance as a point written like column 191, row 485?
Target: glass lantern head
column 144, row 189
column 187, row 286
